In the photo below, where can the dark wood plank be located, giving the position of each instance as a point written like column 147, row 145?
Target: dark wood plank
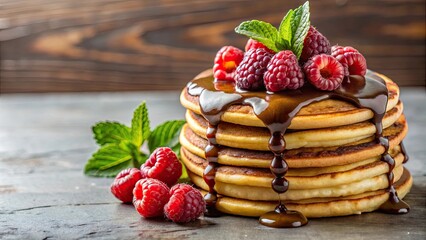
column 46, row 139
column 113, row 45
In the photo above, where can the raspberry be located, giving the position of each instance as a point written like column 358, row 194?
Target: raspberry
column 315, row 43
column 283, row 72
column 253, row 44
column 249, row 74
column 163, row 165
column 336, row 50
column 226, row 61
column 186, row 204
column 124, row 182
column 149, row 197
column 353, row 61
column 324, row 72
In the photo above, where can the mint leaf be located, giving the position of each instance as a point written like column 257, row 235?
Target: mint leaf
column 166, row 135
column 108, row 161
column 110, row 132
column 140, row 125
column 260, row 31
column 299, row 27
column 284, row 30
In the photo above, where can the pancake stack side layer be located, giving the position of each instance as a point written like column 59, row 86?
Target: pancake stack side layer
column 334, row 159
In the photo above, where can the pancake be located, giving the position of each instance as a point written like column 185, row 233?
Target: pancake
column 315, row 208
column 323, row 114
column 304, row 172
column 257, row 138
column 299, row 158
column 256, row 177
column 335, row 154
column 268, row 194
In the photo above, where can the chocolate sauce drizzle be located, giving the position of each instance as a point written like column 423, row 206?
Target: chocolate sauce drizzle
column 276, row 111
column 404, row 152
column 211, row 153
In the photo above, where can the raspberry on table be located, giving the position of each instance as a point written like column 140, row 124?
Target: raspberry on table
column 186, row 204
column 315, row 43
column 226, row 61
column 249, row 74
column 149, row 197
column 124, row 182
column 283, row 72
column 352, row 60
column 163, row 165
column 253, row 44
column 324, row 72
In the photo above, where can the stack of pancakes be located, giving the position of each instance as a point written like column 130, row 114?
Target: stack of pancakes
column 334, row 161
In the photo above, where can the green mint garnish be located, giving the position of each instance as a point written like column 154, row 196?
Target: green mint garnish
column 110, row 132
column 140, row 125
column 109, row 160
column 299, row 27
column 289, row 36
column 120, row 145
column 285, row 33
column 166, row 135
column 260, row 31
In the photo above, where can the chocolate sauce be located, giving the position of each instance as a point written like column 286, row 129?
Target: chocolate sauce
column 276, row 111
column 393, row 205
column 211, row 152
column 282, row 217
column 404, row 152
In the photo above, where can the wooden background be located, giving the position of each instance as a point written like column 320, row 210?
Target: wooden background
column 109, row 45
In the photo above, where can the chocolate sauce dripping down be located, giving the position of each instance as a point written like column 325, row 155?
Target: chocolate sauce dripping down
column 211, row 153
column 393, row 205
column 377, row 104
column 276, row 111
column 404, row 152
column 212, row 104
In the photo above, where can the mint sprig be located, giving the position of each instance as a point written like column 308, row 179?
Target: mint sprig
column 290, row 35
column 120, row 145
